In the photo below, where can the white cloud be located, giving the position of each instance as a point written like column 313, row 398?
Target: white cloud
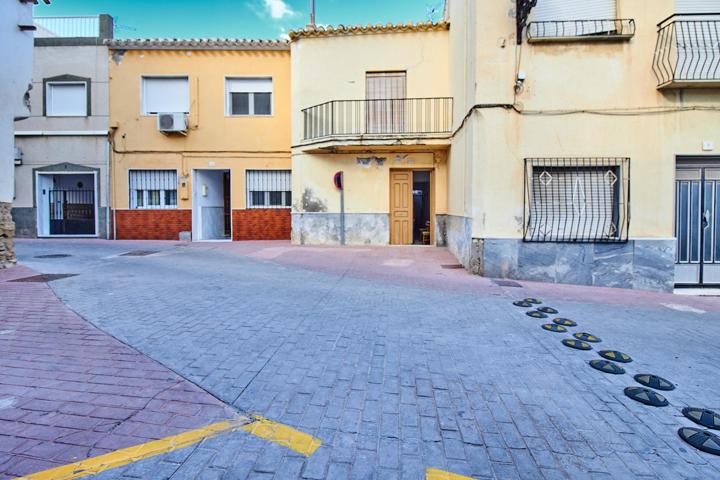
column 278, row 9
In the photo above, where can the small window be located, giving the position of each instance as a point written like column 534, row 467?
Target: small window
column 153, row 189
column 66, row 99
column 268, row 189
column 165, row 95
column 249, row 96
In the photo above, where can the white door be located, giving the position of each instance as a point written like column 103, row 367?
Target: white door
column 44, row 184
column 208, row 212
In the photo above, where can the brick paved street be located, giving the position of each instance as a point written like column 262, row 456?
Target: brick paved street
column 370, row 351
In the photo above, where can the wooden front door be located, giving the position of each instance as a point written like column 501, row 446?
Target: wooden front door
column 401, row 211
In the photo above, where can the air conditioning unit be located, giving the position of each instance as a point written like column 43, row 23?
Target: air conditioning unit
column 172, row 123
column 18, row 156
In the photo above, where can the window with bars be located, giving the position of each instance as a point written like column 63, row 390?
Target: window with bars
column 576, row 199
column 268, row 189
column 153, row 189
column 249, row 96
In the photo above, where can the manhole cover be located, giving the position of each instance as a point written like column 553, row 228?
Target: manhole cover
column 653, row 381
column 576, row 344
column 615, row 356
column 607, row 367
column 549, row 310
column 706, row 418
column 523, row 303
column 551, row 327
column 53, row 255
column 45, row 277
column 139, row 253
column 702, row 440
column 587, row 337
column 535, row 314
column 646, row 396
column 454, row 266
column 565, row 322
column 507, row 283
column 535, row 301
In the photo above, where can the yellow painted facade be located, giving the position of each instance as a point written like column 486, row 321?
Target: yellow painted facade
column 215, row 140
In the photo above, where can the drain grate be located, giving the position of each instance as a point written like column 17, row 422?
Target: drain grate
column 706, row 418
column 615, row 356
column 587, row 337
column 702, row 440
column 549, row 310
column 551, row 327
column 535, row 314
column 45, row 277
column 53, row 255
column 576, row 344
column 607, row 367
column 523, row 304
column 507, row 283
column 653, row 381
column 139, row 253
column 452, row 266
column 646, row 396
column 565, row 322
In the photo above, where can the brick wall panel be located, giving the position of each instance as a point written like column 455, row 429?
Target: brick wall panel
column 261, row 224
column 152, row 224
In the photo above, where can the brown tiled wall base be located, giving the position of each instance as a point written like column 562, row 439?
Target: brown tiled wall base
column 261, row 224
column 152, row 224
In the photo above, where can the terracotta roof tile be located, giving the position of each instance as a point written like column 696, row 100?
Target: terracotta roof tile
column 330, row 31
column 196, row 44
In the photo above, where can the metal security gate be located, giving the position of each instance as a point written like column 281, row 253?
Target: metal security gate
column 697, row 217
column 72, row 212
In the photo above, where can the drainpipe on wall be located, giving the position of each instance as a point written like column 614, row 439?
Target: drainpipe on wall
column 107, row 192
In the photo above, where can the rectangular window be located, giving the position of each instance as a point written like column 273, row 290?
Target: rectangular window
column 248, row 96
column 153, row 189
column 385, row 93
column 165, row 95
column 66, row 99
column 576, row 200
column 268, row 189
column 568, row 18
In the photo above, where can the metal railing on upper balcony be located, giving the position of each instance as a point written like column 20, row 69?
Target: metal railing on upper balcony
column 67, row 27
column 403, row 116
column 611, row 29
column 688, row 49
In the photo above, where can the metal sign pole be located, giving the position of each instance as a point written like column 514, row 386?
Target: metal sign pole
column 342, row 210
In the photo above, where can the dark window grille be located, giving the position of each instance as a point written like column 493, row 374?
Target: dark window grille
column 607, row 29
column 268, row 189
column 579, row 200
column 688, row 49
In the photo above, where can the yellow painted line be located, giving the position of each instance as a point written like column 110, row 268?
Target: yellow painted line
column 435, row 474
column 295, row 440
column 118, row 458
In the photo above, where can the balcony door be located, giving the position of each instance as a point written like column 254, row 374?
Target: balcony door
column 385, row 93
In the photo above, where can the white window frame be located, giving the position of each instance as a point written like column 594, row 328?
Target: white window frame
column 146, row 196
column 266, row 197
column 143, row 96
column 48, row 97
column 251, row 98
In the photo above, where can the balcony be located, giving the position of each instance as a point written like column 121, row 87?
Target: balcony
column 383, row 121
column 620, row 29
column 687, row 54
column 85, row 30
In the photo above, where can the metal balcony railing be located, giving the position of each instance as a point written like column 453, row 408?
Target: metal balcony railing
column 688, row 50
column 67, row 27
column 563, row 30
column 404, row 116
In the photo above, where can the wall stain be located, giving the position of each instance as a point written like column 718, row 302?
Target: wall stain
column 310, row 203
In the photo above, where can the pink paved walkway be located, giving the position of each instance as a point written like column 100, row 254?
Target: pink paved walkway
column 69, row 391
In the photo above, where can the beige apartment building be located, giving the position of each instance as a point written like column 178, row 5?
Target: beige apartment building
column 552, row 140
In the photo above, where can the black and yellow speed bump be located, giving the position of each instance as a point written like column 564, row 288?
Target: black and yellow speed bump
column 646, row 396
column 653, row 381
column 615, row 356
column 587, row 337
column 551, row 327
column 565, row 322
column 607, row 367
column 534, row 301
column 576, row 344
column 523, row 304
column 703, row 440
column 549, row 310
column 535, row 314
column 704, row 417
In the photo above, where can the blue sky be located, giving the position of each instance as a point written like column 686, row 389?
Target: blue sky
column 236, row 18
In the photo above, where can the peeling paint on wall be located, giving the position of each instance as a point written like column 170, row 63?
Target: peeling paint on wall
column 310, row 203
column 117, row 56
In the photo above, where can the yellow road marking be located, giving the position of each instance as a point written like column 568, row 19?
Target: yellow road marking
column 118, row 458
column 283, row 435
column 435, row 474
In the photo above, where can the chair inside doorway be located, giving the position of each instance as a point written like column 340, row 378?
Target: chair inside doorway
column 421, row 208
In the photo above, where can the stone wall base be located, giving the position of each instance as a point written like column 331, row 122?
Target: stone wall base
column 324, row 228
column 640, row 264
column 7, row 232
column 458, row 238
column 25, row 219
